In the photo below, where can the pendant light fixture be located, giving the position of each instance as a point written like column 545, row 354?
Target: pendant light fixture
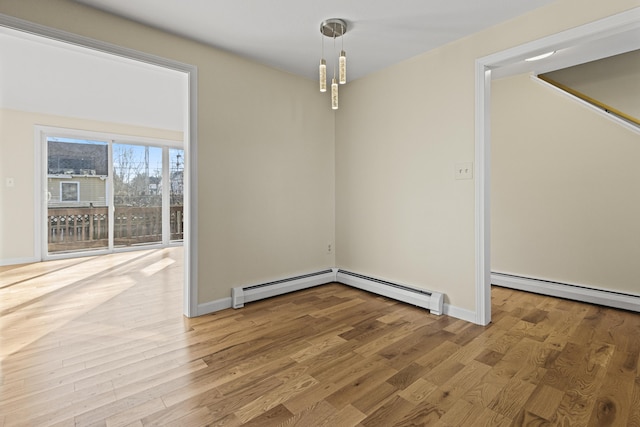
column 323, row 75
column 343, row 67
column 333, row 28
column 342, row 63
column 323, row 71
column 334, row 94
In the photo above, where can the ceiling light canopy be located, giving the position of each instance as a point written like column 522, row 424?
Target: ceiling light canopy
column 333, row 28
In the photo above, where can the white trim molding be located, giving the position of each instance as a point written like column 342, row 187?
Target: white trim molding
column 482, row 195
column 292, row 284
column 213, row 306
column 400, row 292
column 17, row 261
column 575, row 292
column 460, row 313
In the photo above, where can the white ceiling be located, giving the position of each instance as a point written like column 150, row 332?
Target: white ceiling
column 285, row 34
column 42, row 75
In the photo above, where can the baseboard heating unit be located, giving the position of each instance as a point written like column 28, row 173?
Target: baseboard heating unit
column 240, row 295
column 568, row 291
column 433, row 301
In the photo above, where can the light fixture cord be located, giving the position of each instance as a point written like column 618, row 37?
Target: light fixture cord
column 334, row 51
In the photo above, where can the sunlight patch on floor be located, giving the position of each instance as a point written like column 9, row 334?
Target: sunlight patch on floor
column 157, row 266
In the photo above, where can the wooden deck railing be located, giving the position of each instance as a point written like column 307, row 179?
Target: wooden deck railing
column 80, row 228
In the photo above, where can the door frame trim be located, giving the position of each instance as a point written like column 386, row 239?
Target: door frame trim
column 190, row 299
column 599, row 29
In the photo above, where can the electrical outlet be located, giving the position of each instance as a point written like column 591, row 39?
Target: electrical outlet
column 11, row 182
column 329, row 248
column 464, row 170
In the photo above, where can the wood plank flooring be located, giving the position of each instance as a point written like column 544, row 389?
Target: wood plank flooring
column 102, row 341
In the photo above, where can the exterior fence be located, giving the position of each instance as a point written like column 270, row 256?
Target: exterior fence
column 79, row 228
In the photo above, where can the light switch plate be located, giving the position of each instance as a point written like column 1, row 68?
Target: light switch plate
column 464, row 170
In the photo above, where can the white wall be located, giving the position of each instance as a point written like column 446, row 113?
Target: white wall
column 266, row 153
column 565, row 192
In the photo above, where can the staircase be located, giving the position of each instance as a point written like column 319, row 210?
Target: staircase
column 612, row 85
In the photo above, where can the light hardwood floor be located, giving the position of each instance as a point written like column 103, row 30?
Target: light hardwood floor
column 102, row 341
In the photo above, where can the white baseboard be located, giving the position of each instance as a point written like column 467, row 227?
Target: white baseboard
column 459, row 313
column 318, row 279
column 224, row 303
column 569, row 291
column 213, row 306
column 16, row 261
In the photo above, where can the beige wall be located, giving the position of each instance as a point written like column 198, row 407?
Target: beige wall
column 613, row 81
column 266, row 153
column 565, row 202
column 18, row 159
column 400, row 214
column 266, row 144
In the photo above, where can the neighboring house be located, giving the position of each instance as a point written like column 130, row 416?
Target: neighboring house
column 76, row 190
column 76, row 174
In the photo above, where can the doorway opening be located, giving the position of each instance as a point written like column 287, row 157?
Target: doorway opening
column 602, row 38
column 188, row 108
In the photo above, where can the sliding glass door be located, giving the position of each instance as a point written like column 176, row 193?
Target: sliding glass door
column 106, row 195
column 77, row 193
column 137, row 195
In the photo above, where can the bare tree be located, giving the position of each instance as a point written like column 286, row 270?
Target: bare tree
column 126, row 164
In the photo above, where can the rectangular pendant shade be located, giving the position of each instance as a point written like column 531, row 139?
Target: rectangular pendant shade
column 323, row 75
column 334, row 94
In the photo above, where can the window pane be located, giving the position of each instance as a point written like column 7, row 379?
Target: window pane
column 77, row 213
column 137, row 182
column 176, row 175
